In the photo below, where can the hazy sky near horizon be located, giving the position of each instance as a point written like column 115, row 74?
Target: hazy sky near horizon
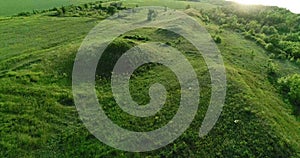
column 292, row 5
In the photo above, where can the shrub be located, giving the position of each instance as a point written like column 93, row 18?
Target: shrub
column 294, row 37
column 111, row 10
column 272, row 56
column 80, row 8
column 117, row 5
column 270, row 47
column 290, row 86
column 87, row 6
column 64, row 10
column 98, row 7
column 269, row 30
column 296, row 53
column 247, row 35
column 274, row 39
column 53, row 9
column 169, row 43
column 24, row 14
column 137, row 37
column 188, row 7
column 282, row 55
column 35, row 12
column 59, row 12
column 272, row 69
column 298, row 62
column 260, row 42
column 217, row 39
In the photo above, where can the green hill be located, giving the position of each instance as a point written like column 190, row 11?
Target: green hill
column 37, row 113
column 8, row 8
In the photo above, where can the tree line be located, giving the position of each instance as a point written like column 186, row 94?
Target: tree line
column 275, row 29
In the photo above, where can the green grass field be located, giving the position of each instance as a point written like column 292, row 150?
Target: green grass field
column 38, row 117
column 13, row 7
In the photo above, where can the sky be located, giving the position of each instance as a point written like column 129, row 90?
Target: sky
column 292, row 5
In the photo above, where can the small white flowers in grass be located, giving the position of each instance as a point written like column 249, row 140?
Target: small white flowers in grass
column 236, row 121
column 190, row 88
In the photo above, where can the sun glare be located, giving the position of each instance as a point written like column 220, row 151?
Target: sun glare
column 292, row 5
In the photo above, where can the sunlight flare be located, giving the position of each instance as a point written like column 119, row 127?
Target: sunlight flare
column 292, row 5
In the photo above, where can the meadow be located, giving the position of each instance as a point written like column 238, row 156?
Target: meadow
column 13, row 7
column 37, row 113
column 8, row 8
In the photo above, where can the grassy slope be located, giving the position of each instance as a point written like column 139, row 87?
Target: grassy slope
column 38, row 117
column 13, row 7
column 8, row 8
column 260, row 92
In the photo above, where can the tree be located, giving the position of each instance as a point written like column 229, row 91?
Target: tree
column 269, row 30
column 274, row 39
column 111, row 10
column 188, row 6
column 64, row 10
column 290, row 86
column 294, row 37
column 270, row 47
column 253, row 25
column 86, row 6
column 217, row 39
column 35, row 11
column 24, row 14
column 59, row 12
column 272, row 69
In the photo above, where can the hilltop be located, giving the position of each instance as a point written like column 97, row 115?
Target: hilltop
column 259, row 45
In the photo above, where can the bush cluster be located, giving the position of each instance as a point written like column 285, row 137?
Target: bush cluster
column 290, row 87
column 276, row 30
column 94, row 9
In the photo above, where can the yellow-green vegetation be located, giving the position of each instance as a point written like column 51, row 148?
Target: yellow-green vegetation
column 37, row 113
column 290, row 87
column 8, row 8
